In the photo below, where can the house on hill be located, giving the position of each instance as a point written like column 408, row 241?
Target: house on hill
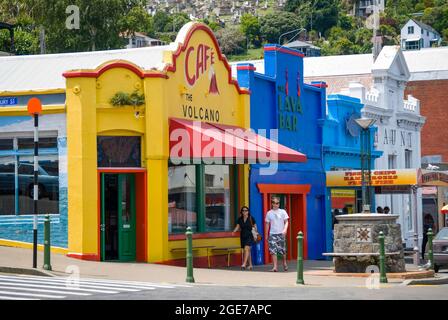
column 416, row 35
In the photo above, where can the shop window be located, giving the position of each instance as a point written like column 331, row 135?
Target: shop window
column 17, row 190
column 48, row 187
column 407, row 159
column 217, row 199
column 7, row 185
column 210, row 213
column 182, row 211
column 392, row 161
column 28, row 143
column 116, row 151
column 6, row 144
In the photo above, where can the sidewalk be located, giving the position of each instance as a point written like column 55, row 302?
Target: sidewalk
column 317, row 273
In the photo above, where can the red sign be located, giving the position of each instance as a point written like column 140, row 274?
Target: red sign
column 34, row 106
column 202, row 58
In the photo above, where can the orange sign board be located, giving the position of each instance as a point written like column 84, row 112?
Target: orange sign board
column 378, row 178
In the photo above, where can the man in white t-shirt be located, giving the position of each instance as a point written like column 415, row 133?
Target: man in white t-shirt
column 276, row 226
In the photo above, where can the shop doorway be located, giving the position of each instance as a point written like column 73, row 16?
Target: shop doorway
column 118, row 217
column 292, row 203
column 293, row 200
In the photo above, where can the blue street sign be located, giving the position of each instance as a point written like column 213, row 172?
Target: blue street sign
column 8, row 101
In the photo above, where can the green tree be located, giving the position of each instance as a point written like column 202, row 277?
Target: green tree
column 176, row 22
column 250, row 27
column 101, row 21
column 231, row 41
column 137, row 20
column 160, row 21
column 318, row 15
column 275, row 24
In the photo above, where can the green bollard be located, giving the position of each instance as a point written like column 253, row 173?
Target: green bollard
column 300, row 258
column 47, row 245
column 430, row 249
column 189, row 235
column 383, row 277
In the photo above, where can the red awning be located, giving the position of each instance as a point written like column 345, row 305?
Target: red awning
column 207, row 141
column 444, row 209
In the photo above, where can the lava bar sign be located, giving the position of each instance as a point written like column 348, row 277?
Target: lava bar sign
column 8, row 101
column 379, row 178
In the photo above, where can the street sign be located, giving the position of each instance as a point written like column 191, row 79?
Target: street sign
column 8, row 101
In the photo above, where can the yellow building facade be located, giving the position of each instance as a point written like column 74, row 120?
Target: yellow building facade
column 193, row 84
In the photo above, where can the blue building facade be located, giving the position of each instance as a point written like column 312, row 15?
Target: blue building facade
column 280, row 101
column 341, row 151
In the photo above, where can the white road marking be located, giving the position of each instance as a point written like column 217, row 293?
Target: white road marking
column 15, row 298
column 19, row 287
column 15, row 287
column 26, row 284
column 32, row 295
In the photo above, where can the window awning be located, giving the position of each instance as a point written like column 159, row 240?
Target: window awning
column 412, row 39
column 207, row 141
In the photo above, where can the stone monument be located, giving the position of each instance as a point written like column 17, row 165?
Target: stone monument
column 356, row 235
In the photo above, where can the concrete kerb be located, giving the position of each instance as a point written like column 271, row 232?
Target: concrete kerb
column 25, row 271
column 437, row 280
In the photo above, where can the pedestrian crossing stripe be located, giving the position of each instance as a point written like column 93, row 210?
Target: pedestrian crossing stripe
column 35, row 287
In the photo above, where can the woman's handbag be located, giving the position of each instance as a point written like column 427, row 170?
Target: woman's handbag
column 255, row 234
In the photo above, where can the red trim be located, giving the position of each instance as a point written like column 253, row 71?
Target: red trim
column 284, row 188
column 182, row 47
column 205, row 235
column 123, row 64
column 246, row 68
column 84, row 256
column 285, row 50
column 121, row 170
column 141, row 217
column 319, row 85
column 169, row 68
column 300, row 189
column 99, row 214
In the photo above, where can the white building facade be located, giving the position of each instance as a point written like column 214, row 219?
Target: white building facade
column 399, row 124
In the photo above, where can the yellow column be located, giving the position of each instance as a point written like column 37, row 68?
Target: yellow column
column 157, row 131
column 82, row 166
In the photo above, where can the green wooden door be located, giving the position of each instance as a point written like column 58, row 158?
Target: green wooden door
column 118, row 217
column 126, row 217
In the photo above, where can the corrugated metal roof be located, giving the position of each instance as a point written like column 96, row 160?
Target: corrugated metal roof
column 424, row 64
column 425, row 26
column 38, row 72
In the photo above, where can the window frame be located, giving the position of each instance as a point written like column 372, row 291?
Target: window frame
column 200, row 198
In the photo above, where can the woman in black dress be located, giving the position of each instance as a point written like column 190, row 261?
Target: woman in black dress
column 245, row 224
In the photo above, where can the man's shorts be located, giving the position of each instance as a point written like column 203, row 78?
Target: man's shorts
column 277, row 244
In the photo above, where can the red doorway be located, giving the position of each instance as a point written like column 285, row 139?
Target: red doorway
column 293, row 197
column 141, row 209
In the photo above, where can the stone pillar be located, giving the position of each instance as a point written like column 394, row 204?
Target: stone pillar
column 358, row 233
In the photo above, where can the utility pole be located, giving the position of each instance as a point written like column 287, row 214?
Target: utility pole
column 34, row 108
column 376, row 25
column 42, row 40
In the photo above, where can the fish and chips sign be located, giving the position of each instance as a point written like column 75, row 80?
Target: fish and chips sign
column 378, row 178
